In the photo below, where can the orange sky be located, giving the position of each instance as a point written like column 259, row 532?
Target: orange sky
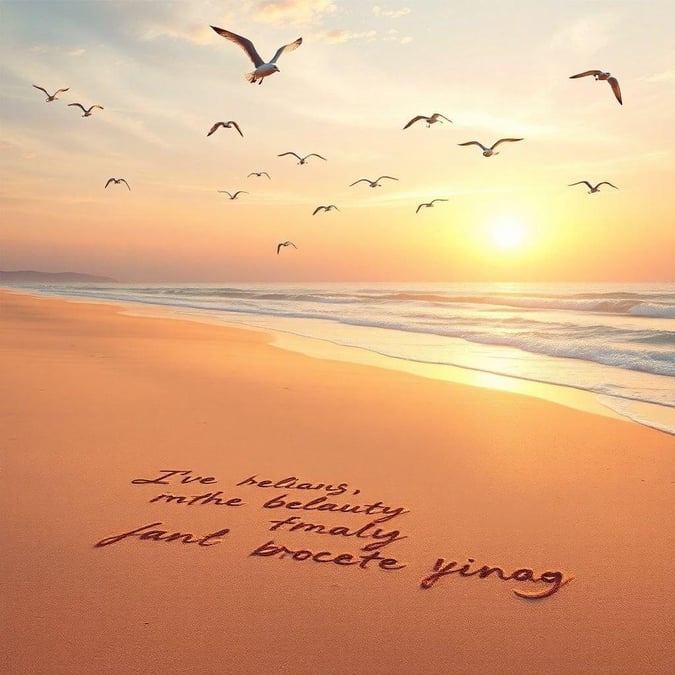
column 497, row 69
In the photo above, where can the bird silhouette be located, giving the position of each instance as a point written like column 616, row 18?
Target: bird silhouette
column 51, row 97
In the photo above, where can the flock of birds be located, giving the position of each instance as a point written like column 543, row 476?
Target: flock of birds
column 263, row 69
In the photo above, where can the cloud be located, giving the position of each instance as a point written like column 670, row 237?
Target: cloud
column 198, row 33
column 390, row 13
column 293, row 11
column 665, row 76
column 337, row 35
column 586, row 35
column 76, row 52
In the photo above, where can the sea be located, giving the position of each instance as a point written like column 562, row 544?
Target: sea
column 616, row 341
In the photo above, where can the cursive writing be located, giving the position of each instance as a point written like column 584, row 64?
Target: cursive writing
column 144, row 533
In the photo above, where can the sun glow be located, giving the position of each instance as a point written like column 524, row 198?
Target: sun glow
column 507, row 234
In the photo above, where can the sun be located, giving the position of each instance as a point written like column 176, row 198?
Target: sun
column 507, row 234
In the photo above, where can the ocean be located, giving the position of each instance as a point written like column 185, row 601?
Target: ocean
column 616, row 341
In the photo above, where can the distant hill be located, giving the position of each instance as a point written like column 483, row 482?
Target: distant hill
column 58, row 277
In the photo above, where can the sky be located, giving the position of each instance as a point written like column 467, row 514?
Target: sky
column 496, row 68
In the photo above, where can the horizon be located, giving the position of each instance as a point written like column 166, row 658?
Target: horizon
column 362, row 72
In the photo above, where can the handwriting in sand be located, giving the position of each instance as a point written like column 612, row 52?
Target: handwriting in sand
column 375, row 532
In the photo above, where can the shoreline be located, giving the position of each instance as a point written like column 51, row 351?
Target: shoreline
column 576, row 398
column 183, row 496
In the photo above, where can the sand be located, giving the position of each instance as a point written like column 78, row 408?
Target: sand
column 97, row 407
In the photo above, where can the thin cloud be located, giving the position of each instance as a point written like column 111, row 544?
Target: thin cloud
column 337, row 36
column 293, row 11
column 390, row 13
column 665, row 76
column 586, row 35
column 76, row 52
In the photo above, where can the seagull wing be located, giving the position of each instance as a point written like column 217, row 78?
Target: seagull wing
column 279, row 248
column 437, row 115
column 290, row 47
column 243, row 42
column 295, row 154
column 124, row 181
column 58, row 91
column 605, row 182
column 614, row 84
column 79, row 105
column 438, row 200
column 100, row 107
column 264, row 173
column 361, row 180
column 584, row 182
column 332, row 206
column 417, row 210
column 504, row 140
column 214, row 127
column 381, row 177
column 239, row 192
column 415, row 119
column 317, row 209
column 110, row 180
column 43, row 89
column 585, row 73
column 480, row 145
column 291, row 244
column 313, row 154
column 227, row 193
column 236, row 126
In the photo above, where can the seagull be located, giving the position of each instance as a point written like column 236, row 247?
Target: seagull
column 262, row 69
column 86, row 111
column 330, row 207
column 600, row 75
column 235, row 195
column 436, row 117
column 430, row 204
column 259, row 174
column 117, row 181
column 592, row 189
column 372, row 183
column 285, row 243
column 51, row 97
column 303, row 160
column 225, row 125
column 488, row 152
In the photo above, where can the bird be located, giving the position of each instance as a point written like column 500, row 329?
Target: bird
column 436, row 117
column 51, row 97
column 262, row 69
column 592, row 189
column 285, row 243
column 259, row 174
column 429, row 204
column 302, row 160
column 86, row 111
column 372, row 183
column 226, row 125
column 600, row 75
column 488, row 152
column 235, row 195
column 330, row 207
column 117, row 181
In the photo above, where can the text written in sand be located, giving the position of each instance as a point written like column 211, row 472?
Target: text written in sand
column 330, row 497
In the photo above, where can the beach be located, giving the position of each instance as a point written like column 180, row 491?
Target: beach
column 154, row 470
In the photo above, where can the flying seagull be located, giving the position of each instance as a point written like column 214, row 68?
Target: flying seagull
column 262, row 69
column 330, row 207
column 259, row 174
column 86, row 111
column 429, row 204
column 303, row 160
column 235, row 195
column 285, row 243
column 225, row 125
column 117, row 181
column 436, row 117
column 600, row 75
column 592, row 189
column 488, row 152
column 51, row 97
column 372, row 183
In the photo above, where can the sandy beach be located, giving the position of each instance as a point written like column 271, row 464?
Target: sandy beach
column 180, row 497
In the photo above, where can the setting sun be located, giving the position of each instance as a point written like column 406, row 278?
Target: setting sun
column 507, row 233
